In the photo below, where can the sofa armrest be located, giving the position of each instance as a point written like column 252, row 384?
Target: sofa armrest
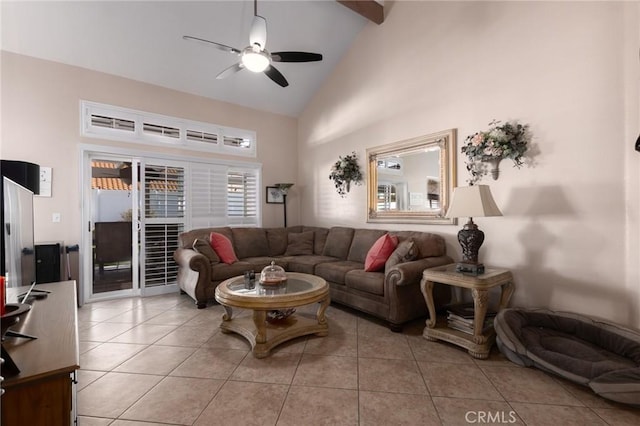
column 402, row 289
column 411, row 272
column 194, row 274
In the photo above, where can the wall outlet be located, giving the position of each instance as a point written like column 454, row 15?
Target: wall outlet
column 55, row 218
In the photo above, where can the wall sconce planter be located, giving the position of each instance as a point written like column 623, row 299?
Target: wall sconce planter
column 495, row 167
column 344, row 172
column 508, row 140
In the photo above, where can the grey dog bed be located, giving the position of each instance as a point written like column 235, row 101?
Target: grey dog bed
column 594, row 353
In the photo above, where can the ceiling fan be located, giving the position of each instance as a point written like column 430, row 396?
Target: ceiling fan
column 255, row 57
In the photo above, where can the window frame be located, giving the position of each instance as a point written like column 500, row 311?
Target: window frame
column 138, row 135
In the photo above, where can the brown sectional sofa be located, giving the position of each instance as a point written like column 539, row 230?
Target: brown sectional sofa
column 336, row 254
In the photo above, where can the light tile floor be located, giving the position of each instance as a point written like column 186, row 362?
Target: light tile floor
column 161, row 361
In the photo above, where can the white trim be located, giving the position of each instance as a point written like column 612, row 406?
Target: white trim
column 161, row 289
column 114, row 150
column 87, row 294
column 138, row 135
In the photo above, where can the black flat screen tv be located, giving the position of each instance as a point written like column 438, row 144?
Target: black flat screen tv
column 18, row 253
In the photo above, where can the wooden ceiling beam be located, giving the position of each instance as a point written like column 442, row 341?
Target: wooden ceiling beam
column 370, row 9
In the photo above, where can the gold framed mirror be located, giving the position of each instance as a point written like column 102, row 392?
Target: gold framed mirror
column 412, row 181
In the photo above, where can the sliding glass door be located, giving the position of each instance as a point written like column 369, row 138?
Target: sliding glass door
column 134, row 210
column 112, row 224
column 135, row 206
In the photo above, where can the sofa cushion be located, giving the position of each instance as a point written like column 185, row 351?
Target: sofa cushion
column 428, row 245
column 250, row 242
column 186, row 239
column 277, row 241
column 300, row 243
column 222, row 271
column 223, row 248
column 338, row 242
column 369, row 282
column 319, row 238
column 260, row 262
column 306, row 264
column 335, row 271
column 225, row 230
column 203, row 246
column 406, row 251
column 380, row 252
column 363, row 240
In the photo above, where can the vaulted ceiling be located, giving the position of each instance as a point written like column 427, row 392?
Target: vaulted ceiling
column 143, row 41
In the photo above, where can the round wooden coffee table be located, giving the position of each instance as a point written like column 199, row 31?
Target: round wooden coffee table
column 298, row 290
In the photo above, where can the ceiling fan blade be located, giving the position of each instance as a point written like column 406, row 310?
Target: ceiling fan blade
column 276, row 76
column 228, row 71
column 295, row 57
column 258, row 33
column 220, row 46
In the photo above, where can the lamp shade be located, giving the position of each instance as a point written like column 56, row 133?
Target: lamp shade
column 284, row 187
column 472, row 201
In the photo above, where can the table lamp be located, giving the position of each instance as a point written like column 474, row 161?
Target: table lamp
column 471, row 201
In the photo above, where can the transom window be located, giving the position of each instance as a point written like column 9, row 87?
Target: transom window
column 123, row 124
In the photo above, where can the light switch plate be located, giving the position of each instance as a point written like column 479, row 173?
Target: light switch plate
column 55, row 217
column 45, row 182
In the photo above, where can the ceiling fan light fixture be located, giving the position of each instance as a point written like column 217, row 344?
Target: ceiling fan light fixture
column 255, row 60
column 255, row 57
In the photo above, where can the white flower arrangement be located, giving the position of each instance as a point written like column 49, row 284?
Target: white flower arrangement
column 508, row 140
column 345, row 171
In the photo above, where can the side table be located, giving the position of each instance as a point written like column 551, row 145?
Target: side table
column 479, row 344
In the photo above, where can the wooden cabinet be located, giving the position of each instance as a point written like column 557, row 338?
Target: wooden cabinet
column 43, row 392
column 49, row 262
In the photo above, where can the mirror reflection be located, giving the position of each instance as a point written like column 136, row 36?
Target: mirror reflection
column 411, row 181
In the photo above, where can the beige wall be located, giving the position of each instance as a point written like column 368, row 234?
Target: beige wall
column 571, row 225
column 40, row 124
column 571, row 220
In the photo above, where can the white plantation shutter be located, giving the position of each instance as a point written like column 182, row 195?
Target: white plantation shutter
column 242, row 197
column 163, row 218
column 221, row 196
column 112, row 123
column 208, row 206
column 163, row 191
column 160, row 241
column 160, row 130
column 200, row 136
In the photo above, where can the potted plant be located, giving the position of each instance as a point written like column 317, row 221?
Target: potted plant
column 508, row 140
column 345, row 171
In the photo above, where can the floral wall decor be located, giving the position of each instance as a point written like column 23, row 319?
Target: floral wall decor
column 344, row 172
column 508, row 140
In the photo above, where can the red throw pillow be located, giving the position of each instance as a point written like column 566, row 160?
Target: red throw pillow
column 380, row 252
column 223, row 248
